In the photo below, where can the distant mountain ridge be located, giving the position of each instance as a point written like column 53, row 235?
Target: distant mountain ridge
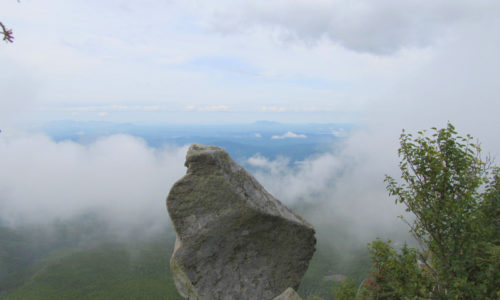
column 269, row 139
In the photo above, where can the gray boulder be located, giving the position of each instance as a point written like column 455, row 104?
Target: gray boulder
column 234, row 240
column 288, row 294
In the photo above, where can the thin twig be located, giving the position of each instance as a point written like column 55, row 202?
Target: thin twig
column 7, row 34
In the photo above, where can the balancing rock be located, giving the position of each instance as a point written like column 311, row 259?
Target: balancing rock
column 234, row 239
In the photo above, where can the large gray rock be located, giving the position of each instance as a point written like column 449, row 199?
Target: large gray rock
column 234, row 240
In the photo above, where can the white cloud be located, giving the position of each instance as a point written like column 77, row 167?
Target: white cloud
column 459, row 84
column 19, row 90
column 118, row 176
column 214, row 108
column 340, row 132
column 131, row 57
column 379, row 27
column 272, row 109
column 289, row 135
column 258, row 135
column 278, row 166
column 207, row 108
column 112, row 107
column 344, row 187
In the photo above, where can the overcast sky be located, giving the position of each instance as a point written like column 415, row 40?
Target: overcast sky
column 226, row 61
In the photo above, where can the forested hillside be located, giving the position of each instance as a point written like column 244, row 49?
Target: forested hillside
column 81, row 259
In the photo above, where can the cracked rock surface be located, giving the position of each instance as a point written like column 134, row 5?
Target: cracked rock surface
column 234, row 239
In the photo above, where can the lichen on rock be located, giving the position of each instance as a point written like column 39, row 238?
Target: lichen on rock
column 234, row 239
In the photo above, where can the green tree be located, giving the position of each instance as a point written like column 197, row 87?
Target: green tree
column 454, row 197
column 396, row 275
column 346, row 290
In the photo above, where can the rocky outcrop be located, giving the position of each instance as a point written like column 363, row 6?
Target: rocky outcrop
column 234, row 239
column 288, row 294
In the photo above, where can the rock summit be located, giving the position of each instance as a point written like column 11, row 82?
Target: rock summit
column 234, row 239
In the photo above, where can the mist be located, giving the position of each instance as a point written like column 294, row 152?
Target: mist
column 118, row 177
column 458, row 84
column 343, row 189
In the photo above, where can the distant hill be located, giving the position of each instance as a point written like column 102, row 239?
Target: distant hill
column 131, row 269
column 107, row 272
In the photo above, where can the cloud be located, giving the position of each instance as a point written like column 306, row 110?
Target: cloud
column 459, row 84
column 289, row 135
column 454, row 79
column 233, row 65
column 340, row 132
column 272, row 109
column 207, row 108
column 342, row 188
column 18, row 90
column 377, row 27
column 147, row 59
column 119, row 177
column 257, row 135
column 214, row 108
column 112, row 107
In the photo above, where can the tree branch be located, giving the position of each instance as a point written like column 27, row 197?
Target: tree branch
column 7, row 34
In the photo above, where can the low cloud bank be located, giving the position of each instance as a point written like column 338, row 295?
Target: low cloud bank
column 126, row 182
column 341, row 191
column 119, row 177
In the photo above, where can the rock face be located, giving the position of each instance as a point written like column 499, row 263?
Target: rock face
column 288, row 294
column 234, row 240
